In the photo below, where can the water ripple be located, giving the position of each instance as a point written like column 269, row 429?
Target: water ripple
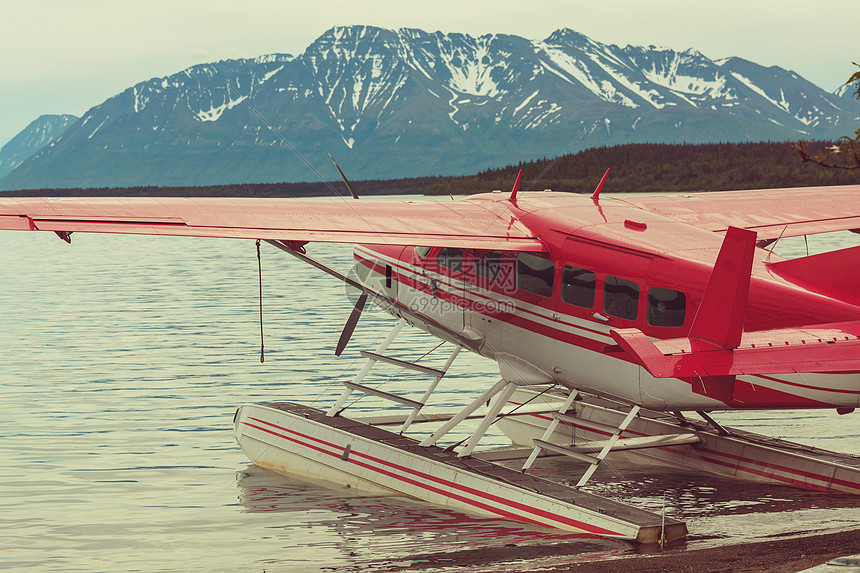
column 123, row 359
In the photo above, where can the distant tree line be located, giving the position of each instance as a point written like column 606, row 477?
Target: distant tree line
column 635, row 168
column 412, row 186
column 654, row 168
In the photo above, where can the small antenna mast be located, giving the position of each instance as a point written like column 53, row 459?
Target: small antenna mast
column 596, row 195
column 342, row 176
column 513, row 198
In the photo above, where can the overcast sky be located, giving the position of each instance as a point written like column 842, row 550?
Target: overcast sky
column 65, row 56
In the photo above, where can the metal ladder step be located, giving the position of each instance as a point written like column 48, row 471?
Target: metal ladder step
column 575, row 421
column 444, row 416
column 565, row 450
column 640, row 443
column 382, row 394
column 403, row 363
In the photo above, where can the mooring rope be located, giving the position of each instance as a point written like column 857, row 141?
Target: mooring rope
column 260, row 277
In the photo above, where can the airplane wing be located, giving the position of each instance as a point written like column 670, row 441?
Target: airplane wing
column 463, row 224
column 768, row 212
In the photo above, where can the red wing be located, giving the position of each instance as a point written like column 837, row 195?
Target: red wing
column 464, row 223
column 769, row 212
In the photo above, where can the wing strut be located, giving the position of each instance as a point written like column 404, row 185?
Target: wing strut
column 297, row 251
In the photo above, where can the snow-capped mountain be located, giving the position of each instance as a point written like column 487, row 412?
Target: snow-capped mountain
column 41, row 132
column 395, row 103
column 847, row 91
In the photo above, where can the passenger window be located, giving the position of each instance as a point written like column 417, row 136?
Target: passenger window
column 535, row 274
column 577, row 286
column 666, row 307
column 422, row 251
column 450, row 259
column 620, row 298
column 488, row 266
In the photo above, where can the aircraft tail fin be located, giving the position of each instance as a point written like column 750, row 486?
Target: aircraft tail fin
column 720, row 318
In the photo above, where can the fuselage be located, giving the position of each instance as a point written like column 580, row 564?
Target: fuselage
column 547, row 317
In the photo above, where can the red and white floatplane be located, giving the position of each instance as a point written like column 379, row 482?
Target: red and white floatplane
column 611, row 320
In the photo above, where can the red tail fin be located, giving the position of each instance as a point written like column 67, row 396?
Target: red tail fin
column 720, row 318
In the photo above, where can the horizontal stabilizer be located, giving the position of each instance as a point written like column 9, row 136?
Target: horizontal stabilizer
column 833, row 273
column 830, row 348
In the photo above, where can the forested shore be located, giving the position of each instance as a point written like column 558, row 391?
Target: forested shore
column 657, row 168
column 635, row 168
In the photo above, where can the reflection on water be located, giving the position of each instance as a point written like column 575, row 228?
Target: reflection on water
column 123, row 359
column 379, row 532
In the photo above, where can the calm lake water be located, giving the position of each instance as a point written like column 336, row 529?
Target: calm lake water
column 122, row 360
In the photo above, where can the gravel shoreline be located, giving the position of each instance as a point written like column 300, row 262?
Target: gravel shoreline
column 776, row 556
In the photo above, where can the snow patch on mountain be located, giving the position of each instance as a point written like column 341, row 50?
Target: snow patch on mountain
column 470, row 67
column 687, row 84
column 268, row 75
column 214, row 112
column 524, row 103
column 751, row 85
column 571, row 69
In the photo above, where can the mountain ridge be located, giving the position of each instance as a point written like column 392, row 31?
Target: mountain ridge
column 42, row 131
column 398, row 103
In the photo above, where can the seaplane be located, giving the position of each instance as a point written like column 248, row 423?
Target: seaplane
column 619, row 324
